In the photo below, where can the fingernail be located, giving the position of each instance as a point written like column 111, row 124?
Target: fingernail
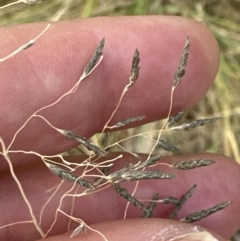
column 200, row 236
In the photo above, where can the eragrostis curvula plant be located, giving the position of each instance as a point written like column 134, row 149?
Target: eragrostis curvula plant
column 97, row 171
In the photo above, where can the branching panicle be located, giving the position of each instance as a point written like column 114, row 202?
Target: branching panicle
column 131, row 172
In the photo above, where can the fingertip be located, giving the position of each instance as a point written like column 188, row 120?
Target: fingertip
column 43, row 73
column 215, row 184
column 210, row 48
column 142, row 230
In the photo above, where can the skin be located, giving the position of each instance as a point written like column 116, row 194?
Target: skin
column 39, row 75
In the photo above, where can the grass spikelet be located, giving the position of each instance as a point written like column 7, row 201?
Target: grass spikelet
column 135, row 175
column 196, row 123
column 66, row 175
column 193, row 163
column 183, row 63
column 132, row 79
column 193, row 217
column 182, row 201
column 92, row 63
column 128, row 121
column 171, row 200
column 131, row 199
column 174, row 119
column 72, row 136
column 151, row 206
column 149, row 162
column 169, row 147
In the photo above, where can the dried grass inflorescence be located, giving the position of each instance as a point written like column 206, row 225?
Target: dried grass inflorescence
column 133, row 172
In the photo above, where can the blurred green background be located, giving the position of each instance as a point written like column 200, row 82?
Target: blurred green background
column 222, row 17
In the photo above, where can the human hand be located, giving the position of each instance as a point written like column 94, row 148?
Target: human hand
column 39, row 75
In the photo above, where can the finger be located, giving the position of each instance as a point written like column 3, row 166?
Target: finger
column 41, row 74
column 215, row 184
column 142, row 229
